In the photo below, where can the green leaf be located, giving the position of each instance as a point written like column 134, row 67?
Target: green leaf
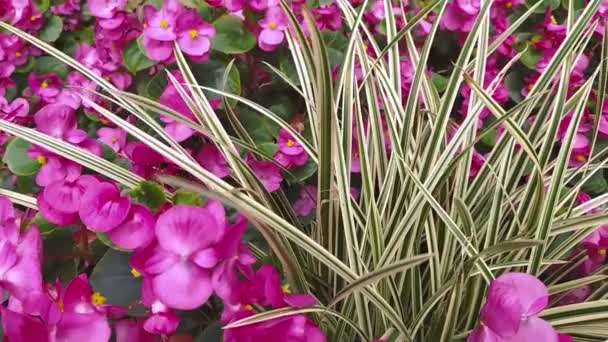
column 42, row 5
column 44, row 226
column 530, row 58
column 302, row 173
column 113, row 279
column 149, row 193
column 578, row 4
column 231, row 36
column 440, row 82
column 50, row 32
column 105, row 240
column 554, row 4
column 211, row 74
column 153, row 88
column 188, row 198
column 213, row 333
column 134, row 57
column 514, row 82
column 47, row 64
column 17, row 159
column 596, row 184
column 58, row 248
column 268, row 149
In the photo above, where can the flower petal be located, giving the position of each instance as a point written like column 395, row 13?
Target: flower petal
column 184, row 286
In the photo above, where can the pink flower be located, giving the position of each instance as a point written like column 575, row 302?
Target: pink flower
column 172, row 99
column 596, row 245
column 115, row 138
column 194, row 34
column 181, row 262
column 328, row 16
column 268, row 173
column 14, row 111
column 73, row 314
column 53, row 167
column 291, row 152
column 106, row 8
column 509, row 314
column 59, row 121
column 210, row 157
column 132, row 330
column 477, row 162
column 102, row 208
column 273, row 25
column 460, row 15
column 46, row 86
column 20, row 256
column 136, row 231
column 306, row 202
column 144, row 159
column 59, row 201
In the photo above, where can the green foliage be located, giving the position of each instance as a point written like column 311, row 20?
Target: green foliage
column 113, row 278
column 50, row 32
column 134, row 57
column 149, row 193
column 231, row 36
column 17, row 160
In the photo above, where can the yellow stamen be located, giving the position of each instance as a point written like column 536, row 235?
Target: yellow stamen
column 60, row 305
column 553, row 20
column 601, row 252
column 272, row 25
column 530, row 86
column 285, row 288
column 248, row 307
column 145, row 25
column 193, row 33
column 98, row 299
column 18, row 54
column 164, row 24
column 44, row 84
column 104, row 121
column 290, row 143
column 509, row 4
column 365, row 47
column 581, row 158
column 32, row 18
column 355, row 155
column 135, row 273
column 536, row 38
column 113, row 139
column 41, row 159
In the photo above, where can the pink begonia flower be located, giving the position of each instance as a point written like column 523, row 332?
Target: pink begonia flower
column 564, row 338
column 291, row 152
column 477, row 161
column 132, row 330
column 306, row 202
column 181, row 262
column 144, row 159
column 267, row 172
column 47, row 86
column 136, row 231
column 53, row 167
column 460, row 15
column 20, row 256
column 596, row 245
column 194, row 34
column 18, row 109
column 509, row 314
column 212, row 159
column 171, row 98
column 162, row 321
column 102, row 208
column 115, row 138
column 59, row 121
column 73, row 314
column 273, row 26
column 261, row 5
column 328, row 16
column 59, row 201
column 106, row 8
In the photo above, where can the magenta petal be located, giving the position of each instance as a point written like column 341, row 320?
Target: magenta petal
column 534, row 329
column 161, row 323
column 178, row 131
column 184, row 286
column 79, row 327
column 564, row 338
column 21, row 328
column 137, row 230
column 531, row 292
column 502, row 311
column 53, row 215
column 299, row 300
column 194, row 47
column 129, row 330
column 483, row 334
column 102, row 207
column 8, row 256
column 24, row 279
column 157, row 50
column 206, row 258
column 64, row 196
column 184, row 229
column 271, row 37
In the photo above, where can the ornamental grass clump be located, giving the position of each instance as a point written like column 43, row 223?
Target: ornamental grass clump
column 248, row 170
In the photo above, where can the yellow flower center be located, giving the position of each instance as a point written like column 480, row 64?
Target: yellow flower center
column 98, row 299
column 60, row 305
column 135, row 273
column 41, row 159
column 530, row 86
column 193, row 33
column 248, row 307
column 536, row 38
column 104, row 121
column 509, row 4
column 32, row 18
column 285, row 288
column 113, row 139
column 553, row 20
column 356, row 155
column 601, row 252
column 290, row 143
column 581, row 158
column 164, row 24
column 272, row 25
column 18, row 54
column 44, row 84
column 145, row 25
